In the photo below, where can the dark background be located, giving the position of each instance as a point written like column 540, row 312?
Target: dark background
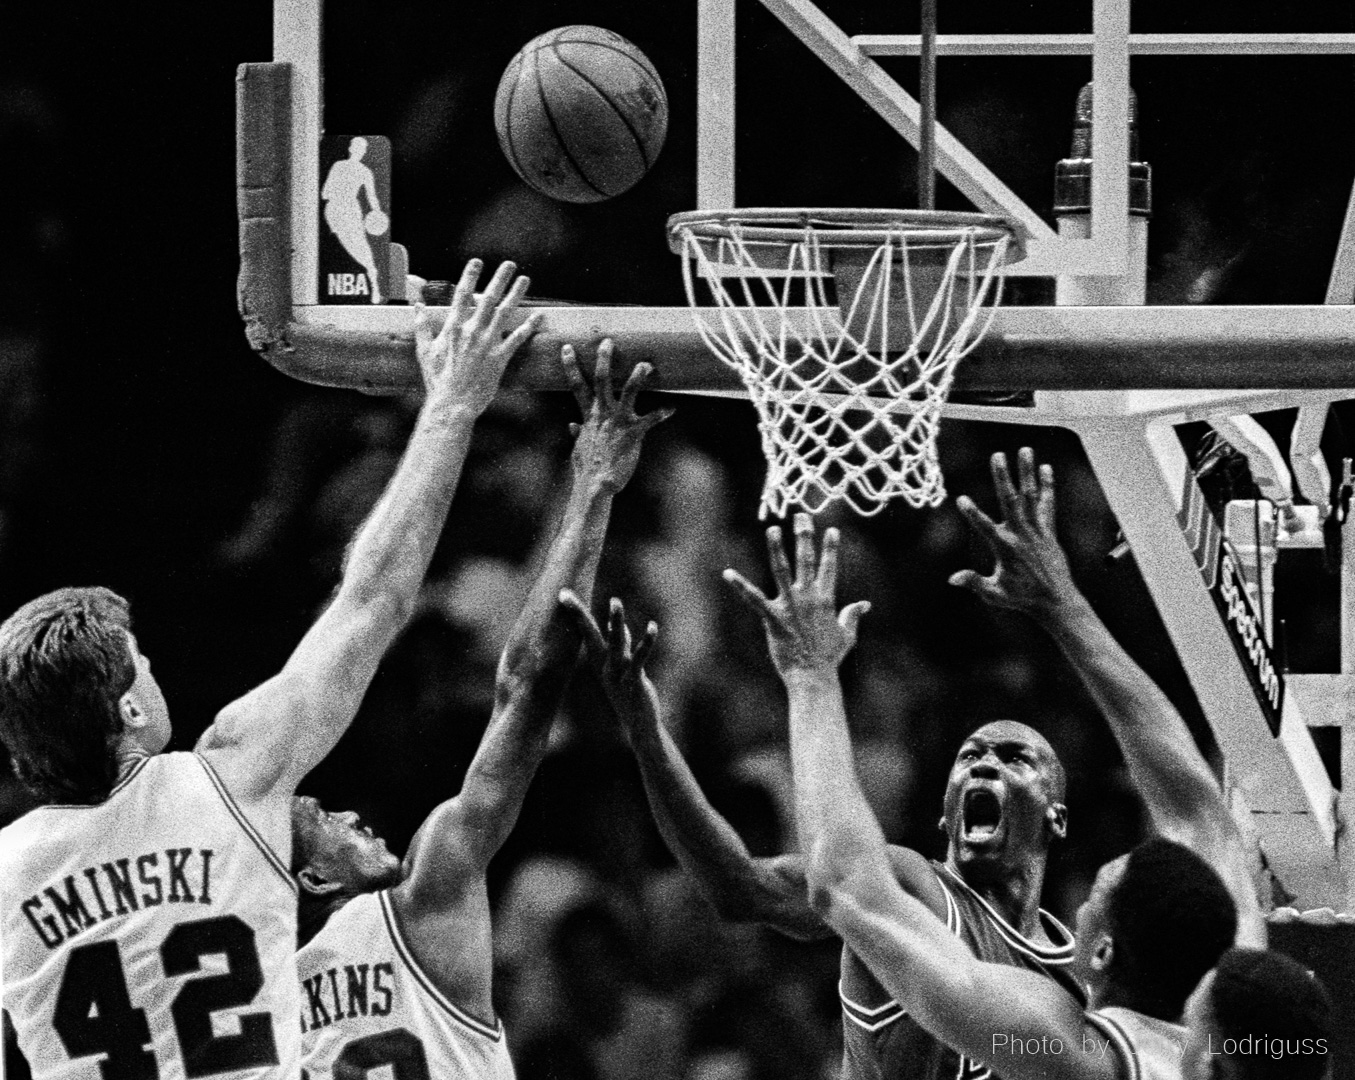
column 145, row 447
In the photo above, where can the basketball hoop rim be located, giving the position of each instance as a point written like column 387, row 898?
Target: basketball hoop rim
column 845, row 227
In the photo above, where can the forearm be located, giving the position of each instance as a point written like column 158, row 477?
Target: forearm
column 391, row 551
column 739, row 886
column 838, row 831
column 543, row 638
column 269, row 739
column 698, row 836
column 1164, row 763
column 534, row 670
column 1184, row 800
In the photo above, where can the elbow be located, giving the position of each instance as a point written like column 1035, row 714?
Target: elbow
column 828, row 881
column 825, row 894
column 845, row 876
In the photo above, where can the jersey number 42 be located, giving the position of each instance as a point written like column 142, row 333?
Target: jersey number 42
column 95, row 1014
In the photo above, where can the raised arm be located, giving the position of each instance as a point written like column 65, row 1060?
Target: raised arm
column 742, row 888
column 976, row 1008
column 458, row 839
column 1185, row 803
column 264, row 743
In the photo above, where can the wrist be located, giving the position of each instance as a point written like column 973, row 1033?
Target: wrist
column 443, row 407
column 1064, row 611
column 590, row 486
column 821, row 678
column 595, row 479
column 640, row 729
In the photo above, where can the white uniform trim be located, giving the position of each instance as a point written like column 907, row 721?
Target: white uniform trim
column 1124, row 1047
column 1056, row 954
column 873, row 1019
column 247, row 825
column 119, row 786
column 493, row 1033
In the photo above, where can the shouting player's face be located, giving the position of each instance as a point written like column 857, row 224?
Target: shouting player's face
column 336, row 849
column 1003, row 800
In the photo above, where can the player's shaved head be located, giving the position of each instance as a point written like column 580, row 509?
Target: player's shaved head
column 1004, row 802
column 997, row 731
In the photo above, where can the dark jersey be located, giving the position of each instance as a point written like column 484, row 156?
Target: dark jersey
column 1148, row 1048
column 881, row 1042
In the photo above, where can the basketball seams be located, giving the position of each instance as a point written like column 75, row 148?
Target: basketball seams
column 639, row 142
column 555, row 130
column 633, row 54
column 563, row 141
column 507, row 140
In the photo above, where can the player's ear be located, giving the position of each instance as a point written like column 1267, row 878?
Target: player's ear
column 133, row 716
column 1056, row 821
column 1103, row 953
column 314, row 884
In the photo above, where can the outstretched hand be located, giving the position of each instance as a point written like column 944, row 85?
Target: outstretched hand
column 620, row 666
column 609, row 439
column 1031, row 572
column 806, row 634
column 463, row 361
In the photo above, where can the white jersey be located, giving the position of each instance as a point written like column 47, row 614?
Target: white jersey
column 1148, row 1049
column 366, row 1004
column 151, row 936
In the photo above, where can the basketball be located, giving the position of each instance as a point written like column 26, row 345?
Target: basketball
column 376, row 223
column 581, row 114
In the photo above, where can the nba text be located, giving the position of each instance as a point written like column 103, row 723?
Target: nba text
column 348, row 285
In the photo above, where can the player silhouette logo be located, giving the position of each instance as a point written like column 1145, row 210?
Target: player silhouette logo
column 352, row 195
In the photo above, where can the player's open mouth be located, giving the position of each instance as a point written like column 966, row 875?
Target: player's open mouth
column 982, row 816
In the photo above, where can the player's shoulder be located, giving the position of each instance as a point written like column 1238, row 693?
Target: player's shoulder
column 916, row 874
column 16, row 839
column 346, row 927
column 152, row 772
column 911, row 867
column 1147, row 1048
column 38, row 840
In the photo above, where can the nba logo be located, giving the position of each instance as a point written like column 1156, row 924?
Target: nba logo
column 355, row 219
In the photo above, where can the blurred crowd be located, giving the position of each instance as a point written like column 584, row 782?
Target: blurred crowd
column 143, row 447
column 610, row 964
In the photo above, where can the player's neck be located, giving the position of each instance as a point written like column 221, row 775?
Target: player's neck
column 130, row 754
column 1013, row 891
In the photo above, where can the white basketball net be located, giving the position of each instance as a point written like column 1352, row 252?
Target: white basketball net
column 848, row 408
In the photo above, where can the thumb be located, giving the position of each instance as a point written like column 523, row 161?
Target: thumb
column 980, row 586
column 850, row 617
column 966, row 579
column 583, row 622
column 658, row 416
